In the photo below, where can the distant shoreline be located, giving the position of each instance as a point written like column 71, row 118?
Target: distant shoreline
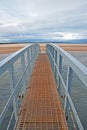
column 9, row 48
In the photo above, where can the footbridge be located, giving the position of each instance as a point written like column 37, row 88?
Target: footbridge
column 39, row 96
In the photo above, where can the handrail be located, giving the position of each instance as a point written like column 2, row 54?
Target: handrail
column 7, row 65
column 56, row 54
column 77, row 66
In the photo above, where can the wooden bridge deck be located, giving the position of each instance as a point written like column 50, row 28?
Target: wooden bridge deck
column 41, row 108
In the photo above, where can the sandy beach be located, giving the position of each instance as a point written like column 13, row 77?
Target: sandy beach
column 69, row 47
column 74, row 47
column 9, row 48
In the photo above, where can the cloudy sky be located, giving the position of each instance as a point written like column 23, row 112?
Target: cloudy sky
column 43, row 20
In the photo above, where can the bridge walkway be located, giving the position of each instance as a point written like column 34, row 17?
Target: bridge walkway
column 41, row 108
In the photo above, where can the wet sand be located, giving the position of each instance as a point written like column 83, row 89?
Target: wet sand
column 9, row 48
column 74, row 47
column 69, row 47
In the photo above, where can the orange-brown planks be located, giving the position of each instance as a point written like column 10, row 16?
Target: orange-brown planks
column 41, row 108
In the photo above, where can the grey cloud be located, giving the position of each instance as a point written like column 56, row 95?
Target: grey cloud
column 44, row 19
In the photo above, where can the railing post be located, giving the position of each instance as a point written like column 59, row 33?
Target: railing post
column 28, row 58
column 24, row 78
column 31, row 58
column 60, row 70
column 68, row 85
column 12, row 84
column 33, row 50
column 54, row 61
column 51, row 51
column 55, row 65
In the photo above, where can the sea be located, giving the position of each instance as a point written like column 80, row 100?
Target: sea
column 78, row 91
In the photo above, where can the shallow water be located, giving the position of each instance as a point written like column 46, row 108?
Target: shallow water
column 3, row 56
column 81, row 56
column 79, row 91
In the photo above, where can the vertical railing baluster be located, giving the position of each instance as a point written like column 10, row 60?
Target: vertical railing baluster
column 28, row 58
column 52, row 56
column 33, row 50
column 69, row 86
column 24, row 78
column 60, row 70
column 12, row 85
column 49, row 50
column 31, row 58
column 29, row 64
column 54, row 61
column 57, row 62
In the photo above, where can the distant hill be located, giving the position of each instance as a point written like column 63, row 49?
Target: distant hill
column 78, row 41
column 48, row 41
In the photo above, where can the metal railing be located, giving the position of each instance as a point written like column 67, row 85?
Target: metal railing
column 56, row 56
column 7, row 65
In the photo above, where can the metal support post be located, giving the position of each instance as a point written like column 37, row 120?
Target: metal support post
column 28, row 59
column 51, row 51
column 54, row 61
column 57, row 63
column 31, row 58
column 60, row 70
column 12, row 84
column 24, row 78
column 68, row 85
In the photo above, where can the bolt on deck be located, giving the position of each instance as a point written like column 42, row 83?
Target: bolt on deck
column 41, row 108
